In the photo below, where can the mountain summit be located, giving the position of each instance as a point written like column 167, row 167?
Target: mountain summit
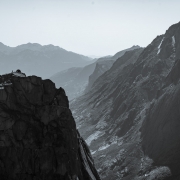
column 38, row 136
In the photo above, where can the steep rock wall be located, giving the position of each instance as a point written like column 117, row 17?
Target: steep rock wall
column 38, row 136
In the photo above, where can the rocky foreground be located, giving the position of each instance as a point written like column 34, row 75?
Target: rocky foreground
column 38, row 136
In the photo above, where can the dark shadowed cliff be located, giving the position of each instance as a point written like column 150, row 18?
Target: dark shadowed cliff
column 38, row 136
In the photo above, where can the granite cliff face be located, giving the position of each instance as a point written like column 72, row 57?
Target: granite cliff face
column 132, row 115
column 38, row 136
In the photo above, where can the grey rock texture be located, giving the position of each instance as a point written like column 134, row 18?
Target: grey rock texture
column 38, row 136
column 160, row 130
column 130, row 118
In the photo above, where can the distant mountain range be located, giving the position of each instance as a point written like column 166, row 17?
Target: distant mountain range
column 44, row 61
column 131, row 116
column 79, row 80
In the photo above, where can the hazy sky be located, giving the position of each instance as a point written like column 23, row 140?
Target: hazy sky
column 89, row 27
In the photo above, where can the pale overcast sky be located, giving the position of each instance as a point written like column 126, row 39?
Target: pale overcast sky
column 89, row 27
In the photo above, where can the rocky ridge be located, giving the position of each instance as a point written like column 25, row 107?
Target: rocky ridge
column 130, row 117
column 38, row 136
column 78, row 80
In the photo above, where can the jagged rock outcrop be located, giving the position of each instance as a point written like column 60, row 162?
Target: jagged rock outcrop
column 38, row 136
column 121, row 53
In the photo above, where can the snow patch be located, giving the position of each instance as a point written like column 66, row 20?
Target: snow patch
column 173, row 41
column 159, row 47
column 93, row 152
column 101, row 124
column 93, row 137
column 159, row 173
column 159, row 50
column 104, row 147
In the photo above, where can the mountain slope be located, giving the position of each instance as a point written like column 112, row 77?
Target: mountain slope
column 101, row 68
column 121, row 53
column 76, row 81
column 110, row 117
column 73, row 80
column 38, row 59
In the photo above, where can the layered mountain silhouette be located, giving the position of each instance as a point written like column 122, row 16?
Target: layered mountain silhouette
column 100, row 68
column 34, row 58
column 79, row 80
column 73, row 80
column 130, row 117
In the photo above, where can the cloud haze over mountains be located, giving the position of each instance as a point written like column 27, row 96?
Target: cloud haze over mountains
column 97, row 27
column 33, row 58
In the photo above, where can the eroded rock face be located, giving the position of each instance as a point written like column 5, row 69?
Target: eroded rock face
column 38, row 136
column 130, row 118
column 160, row 130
